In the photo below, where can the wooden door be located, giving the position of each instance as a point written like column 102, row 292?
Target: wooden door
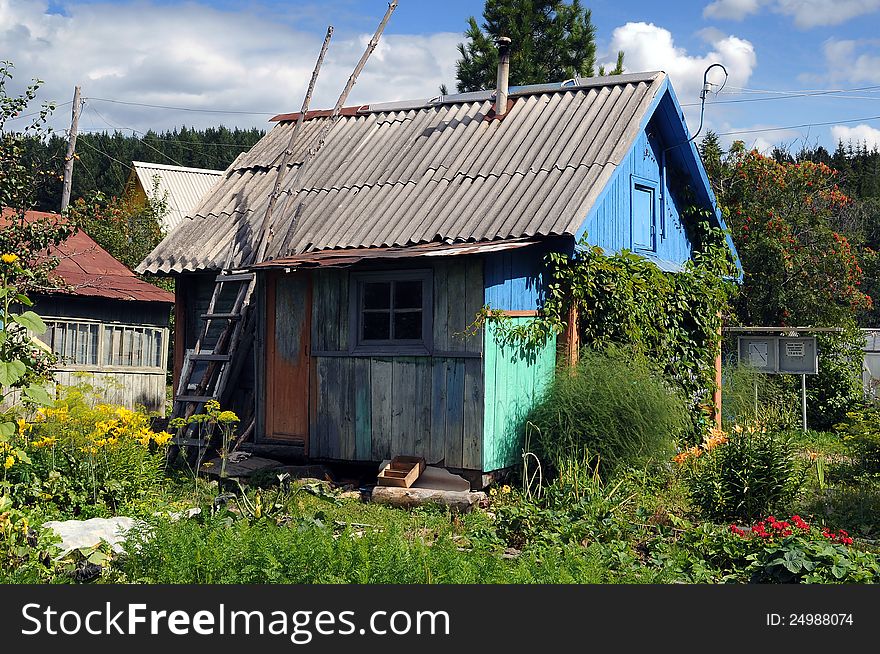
column 288, row 360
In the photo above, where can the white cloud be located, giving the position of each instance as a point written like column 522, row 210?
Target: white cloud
column 814, row 13
column 731, row 9
column 858, row 135
column 201, row 57
column 649, row 47
column 806, row 13
column 853, row 61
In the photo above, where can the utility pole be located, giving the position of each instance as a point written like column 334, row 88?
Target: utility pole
column 71, row 150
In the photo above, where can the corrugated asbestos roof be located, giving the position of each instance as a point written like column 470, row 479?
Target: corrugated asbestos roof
column 88, row 270
column 185, row 187
column 410, row 173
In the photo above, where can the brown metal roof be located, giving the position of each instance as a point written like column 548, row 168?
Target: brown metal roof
column 401, row 174
column 87, row 269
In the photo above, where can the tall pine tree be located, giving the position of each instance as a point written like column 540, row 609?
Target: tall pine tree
column 551, row 41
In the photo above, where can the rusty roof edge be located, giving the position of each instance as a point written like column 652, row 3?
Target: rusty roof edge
column 574, row 84
column 348, row 256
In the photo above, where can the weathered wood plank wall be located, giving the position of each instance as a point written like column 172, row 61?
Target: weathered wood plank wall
column 369, row 408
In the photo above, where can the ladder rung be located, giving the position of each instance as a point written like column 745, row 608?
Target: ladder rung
column 194, row 398
column 218, row 316
column 241, row 277
column 210, row 357
column 188, row 441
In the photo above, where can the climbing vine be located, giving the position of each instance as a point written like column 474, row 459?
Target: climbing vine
column 623, row 298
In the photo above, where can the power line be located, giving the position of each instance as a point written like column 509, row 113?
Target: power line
column 134, row 132
column 805, row 125
column 206, row 111
column 159, row 139
column 99, row 151
column 784, row 95
column 37, row 113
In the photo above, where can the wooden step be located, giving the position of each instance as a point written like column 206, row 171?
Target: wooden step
column 210, row 357
column 240, row 277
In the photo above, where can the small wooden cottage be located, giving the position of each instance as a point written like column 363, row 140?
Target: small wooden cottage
column 412, row 218
column 108, row 328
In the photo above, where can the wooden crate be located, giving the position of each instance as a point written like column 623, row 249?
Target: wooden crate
column 402, row 471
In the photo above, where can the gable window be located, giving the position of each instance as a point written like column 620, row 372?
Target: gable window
column 392, row 312
column 644, row 194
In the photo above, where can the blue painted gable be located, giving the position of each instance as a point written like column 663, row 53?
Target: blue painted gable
column 660, row 160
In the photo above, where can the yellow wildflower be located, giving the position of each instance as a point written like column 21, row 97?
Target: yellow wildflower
column 9, row 258
column 227, row 416
column 162, row 438
column 47, row 441
column 23, row 426
column 505, row 489
column 9, row 462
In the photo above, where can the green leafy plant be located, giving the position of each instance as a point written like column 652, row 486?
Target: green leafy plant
column 752, row 472
column 85, row 457
column 613, row 409
column 791, row 551
column 624, row 299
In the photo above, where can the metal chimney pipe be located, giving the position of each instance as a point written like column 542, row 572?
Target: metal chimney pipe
column 501, row 84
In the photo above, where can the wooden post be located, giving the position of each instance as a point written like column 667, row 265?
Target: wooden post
column 716, row 394
column 71, row 150
column 265, row 233
column 336, row 115
column 571, row 336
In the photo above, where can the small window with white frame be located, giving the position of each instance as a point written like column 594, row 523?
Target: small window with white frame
column 391, row 312
column 97, row 345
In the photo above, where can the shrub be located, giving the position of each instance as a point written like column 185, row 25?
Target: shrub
column 778, row 405
column 612, row 408
column 743, row 474
column 85, row 457
column 861, row 436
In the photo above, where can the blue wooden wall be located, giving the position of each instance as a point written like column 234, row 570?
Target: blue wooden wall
column 609, row 223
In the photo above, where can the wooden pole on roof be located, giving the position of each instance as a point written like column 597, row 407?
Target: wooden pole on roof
column 265, row 233
column 71, row 150
column 337, row 110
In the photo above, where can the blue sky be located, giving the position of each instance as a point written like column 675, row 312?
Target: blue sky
column 255, row 57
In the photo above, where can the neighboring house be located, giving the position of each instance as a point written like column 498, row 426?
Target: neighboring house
column 105, row 322
column 181, row 187
column 412, row 217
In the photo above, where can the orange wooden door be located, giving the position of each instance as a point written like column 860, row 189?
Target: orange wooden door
column 288, row 329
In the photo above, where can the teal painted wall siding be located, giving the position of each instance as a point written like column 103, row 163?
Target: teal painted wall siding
column 609, row 222
column 513, row 382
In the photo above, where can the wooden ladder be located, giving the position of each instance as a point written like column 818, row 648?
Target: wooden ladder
column 193, row 392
